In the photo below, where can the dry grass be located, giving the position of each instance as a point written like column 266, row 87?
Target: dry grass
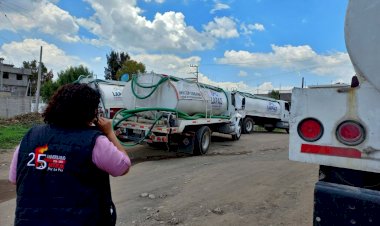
column 24, row 119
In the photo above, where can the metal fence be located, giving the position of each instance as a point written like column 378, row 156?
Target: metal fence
column 11, row 106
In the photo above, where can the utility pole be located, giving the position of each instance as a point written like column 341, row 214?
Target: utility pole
column 1, row 74
column 38, row 83
column 196, row 72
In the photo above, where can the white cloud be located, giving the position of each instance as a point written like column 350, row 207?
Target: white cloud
column 222, row 27
column 53, row 57
column 180, row 67
column 168, row 64
column 157, row 1
column 121, row 25
column 225, row 85
column 250, row 28
column 256, row 26
column 242, row 74
column 266, row 87
column 97, row 59
column 42, row 16
column 293, row 58
column 219, row 6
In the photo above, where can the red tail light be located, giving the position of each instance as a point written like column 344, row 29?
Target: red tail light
column 350, row 133
column 310, row 129
column 113, row 111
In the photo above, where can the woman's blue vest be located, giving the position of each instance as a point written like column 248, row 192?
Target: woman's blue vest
column 57, row 182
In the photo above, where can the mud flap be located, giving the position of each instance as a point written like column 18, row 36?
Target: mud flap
column 186, row 144
column 336, row 204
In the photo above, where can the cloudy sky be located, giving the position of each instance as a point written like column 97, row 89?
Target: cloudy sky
column 251, row 45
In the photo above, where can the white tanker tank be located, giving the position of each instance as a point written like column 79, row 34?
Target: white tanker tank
column 111, row 94
column 267, row 112
column 362, row 36
column 161, row 91
column 262, row 107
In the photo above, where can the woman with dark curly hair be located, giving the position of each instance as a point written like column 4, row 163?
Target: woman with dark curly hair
column 62, row 168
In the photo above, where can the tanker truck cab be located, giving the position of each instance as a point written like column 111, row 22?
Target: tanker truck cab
column 175, row 113
column 337, row 127
column 262, row 111
column 285, row 115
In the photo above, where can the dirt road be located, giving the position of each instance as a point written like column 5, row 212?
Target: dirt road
column 249, row 182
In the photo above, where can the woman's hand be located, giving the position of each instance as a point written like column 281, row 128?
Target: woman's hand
column 105, row 125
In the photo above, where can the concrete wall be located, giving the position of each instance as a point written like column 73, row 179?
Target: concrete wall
column 11, row 106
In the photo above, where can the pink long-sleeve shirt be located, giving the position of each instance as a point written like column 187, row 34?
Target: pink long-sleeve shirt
column 105, row 156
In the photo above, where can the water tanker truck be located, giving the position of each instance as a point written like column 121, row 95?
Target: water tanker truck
column 111, row 94
column 338, row 128
column 176, row 113
column 262, row 111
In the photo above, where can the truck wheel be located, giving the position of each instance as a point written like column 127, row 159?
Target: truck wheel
column 247, row 125
column 238, row 135
column 202, row 140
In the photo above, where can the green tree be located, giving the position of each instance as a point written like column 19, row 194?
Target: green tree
column 275, row 94
column 45, row 75
column 48, row 89
column 69, row 75
column 115, row 61
column 130, row 67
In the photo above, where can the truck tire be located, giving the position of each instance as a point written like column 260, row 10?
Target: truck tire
column 247, row 125
column 202, row 140
column 238, row 135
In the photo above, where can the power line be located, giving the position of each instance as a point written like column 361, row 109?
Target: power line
column 14, row 7
column 16, row 32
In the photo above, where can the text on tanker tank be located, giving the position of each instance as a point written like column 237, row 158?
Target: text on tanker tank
column 116, row 93
column 271, row 107
column 185, row 94
column 216, row 100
